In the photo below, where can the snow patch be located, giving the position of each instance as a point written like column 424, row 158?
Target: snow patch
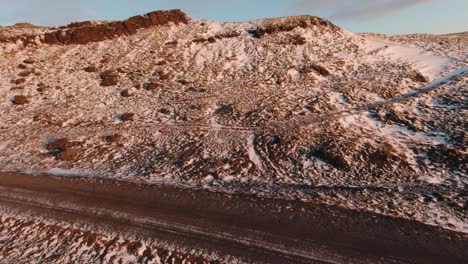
column 253, row 155
column 423, row 60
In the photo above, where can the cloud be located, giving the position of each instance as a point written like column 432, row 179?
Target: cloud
column 359, row 9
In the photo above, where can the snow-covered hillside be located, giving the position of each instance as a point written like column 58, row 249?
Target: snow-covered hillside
column 290, row 107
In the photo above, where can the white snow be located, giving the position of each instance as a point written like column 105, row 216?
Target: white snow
column 425, row 61
column 253, row 155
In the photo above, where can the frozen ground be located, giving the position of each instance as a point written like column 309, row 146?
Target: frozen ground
column 292, row 107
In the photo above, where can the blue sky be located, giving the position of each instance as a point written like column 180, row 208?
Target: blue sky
column 383, row 16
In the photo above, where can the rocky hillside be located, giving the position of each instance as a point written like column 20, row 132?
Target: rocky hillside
column 292, row 107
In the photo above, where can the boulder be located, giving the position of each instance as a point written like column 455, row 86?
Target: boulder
column 20, row 100
column 91, row 68
column 67, row 155
column 125, row 93
column 127, row 117
column 110, row 78
column 29, row 61
column 115, row 138
column 59, row 144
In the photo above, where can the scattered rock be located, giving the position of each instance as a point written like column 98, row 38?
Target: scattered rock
column 20, row 100
column 67, row 155
column 211, row 40
column 24, row 73
column 165, row 111
column 91, row 69
column 19, row 81
column 320, row 70
column 451, row 157
column 298, row 40
column 125, row 93
column 165, row 77
column 289, row 25
column 47, row 118
column 29, row 61
column 152, row 86
column 22, row 66
column 59, row 144
column 127, row 117
column 115, row 138
column 109, row 78
column 418, row 77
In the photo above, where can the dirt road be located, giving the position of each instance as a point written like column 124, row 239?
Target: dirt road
column 249, row 228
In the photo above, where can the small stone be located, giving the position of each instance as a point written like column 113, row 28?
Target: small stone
column 20, row 100
column 110, row 81
column 127, row 117
column 151, row 86
column 418, row 77
column 60, row 144
column 24, row 74
column 91, row 68
column 115, row 138
column 165, row 77
column 67, row 155
column 29, row 61
column 211, row 40
column 125, row 93
column 19, row 81
column 109, row 78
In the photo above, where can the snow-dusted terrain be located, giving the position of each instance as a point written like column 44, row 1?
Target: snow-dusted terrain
column 290, row 107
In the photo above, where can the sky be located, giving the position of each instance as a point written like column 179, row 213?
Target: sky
column 380, row 16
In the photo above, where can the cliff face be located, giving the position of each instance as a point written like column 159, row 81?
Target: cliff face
column 85, row 32
column 88, row 31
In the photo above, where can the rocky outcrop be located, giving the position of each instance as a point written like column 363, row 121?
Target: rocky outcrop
column 274, row 26
column 86, row 32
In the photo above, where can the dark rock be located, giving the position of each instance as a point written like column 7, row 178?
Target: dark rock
column 59, row 144
column 211, row 40
column 67, row 155
column 298, row 40
column 320, row 70
column 164, row 111
column 24, row 74
column 165, row 77
column 127, row 117
column 110, row 78
column 290, row 25
column 91, row 69
column 110, row 81
column 451, row 157
column 20, row 100
column 22, row 66
column 418, row 77
column 47, row 118
column 115, row 138
column 125, row 93
column 29, row 61
column 152, row 86
column 19, row 81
